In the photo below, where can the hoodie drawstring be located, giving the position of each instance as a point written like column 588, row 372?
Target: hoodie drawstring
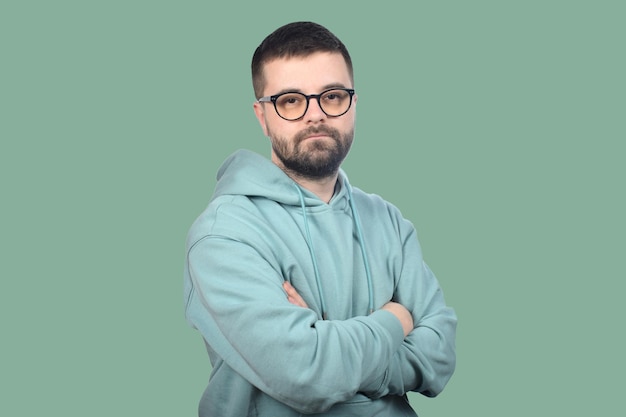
column 357, row 225
column 309, row 242
column 368, row 273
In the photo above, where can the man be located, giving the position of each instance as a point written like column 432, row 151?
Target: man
column 311, row 296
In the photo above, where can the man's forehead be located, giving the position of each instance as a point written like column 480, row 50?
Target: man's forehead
column 318, row 69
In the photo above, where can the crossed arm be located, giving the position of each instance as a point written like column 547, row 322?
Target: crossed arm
column 426, row 359
column 398, row 310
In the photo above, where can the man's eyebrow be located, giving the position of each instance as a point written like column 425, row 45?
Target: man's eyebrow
column 288, row 90
column 334, row 85
column 297, row 90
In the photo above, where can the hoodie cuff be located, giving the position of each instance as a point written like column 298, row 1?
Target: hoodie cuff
column 390, row 323
column 378, row 387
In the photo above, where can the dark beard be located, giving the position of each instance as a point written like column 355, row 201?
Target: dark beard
column 320, row 160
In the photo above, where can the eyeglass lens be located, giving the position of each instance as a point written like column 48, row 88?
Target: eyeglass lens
column 294, row 105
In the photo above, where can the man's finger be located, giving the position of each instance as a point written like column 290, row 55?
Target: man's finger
column 292, row 295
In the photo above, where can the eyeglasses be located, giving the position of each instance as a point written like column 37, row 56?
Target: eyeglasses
column 334, row 102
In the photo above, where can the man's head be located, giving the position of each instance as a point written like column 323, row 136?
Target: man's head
column 298, row 39
column 311, row 132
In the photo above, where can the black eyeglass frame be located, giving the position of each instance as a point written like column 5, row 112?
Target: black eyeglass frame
column 275, row 97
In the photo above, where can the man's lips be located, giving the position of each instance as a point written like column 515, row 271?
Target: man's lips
column 317, row 136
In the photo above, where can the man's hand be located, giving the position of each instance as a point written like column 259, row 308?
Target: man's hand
column 292, row 295
column 402, row 314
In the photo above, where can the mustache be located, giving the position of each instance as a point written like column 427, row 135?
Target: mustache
column 316, row 130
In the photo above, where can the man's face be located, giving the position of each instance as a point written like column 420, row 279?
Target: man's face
column 315, row 145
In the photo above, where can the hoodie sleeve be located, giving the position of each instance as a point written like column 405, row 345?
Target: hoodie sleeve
column 427, row 358
column 236, row 300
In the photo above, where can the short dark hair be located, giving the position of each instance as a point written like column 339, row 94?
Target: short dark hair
column 297, row 39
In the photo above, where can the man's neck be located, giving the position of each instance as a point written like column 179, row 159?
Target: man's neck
column 324, row 188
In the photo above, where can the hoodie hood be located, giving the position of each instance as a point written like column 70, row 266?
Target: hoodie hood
column 250, row 174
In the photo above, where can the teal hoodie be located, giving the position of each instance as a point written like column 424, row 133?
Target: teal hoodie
column 342, row 356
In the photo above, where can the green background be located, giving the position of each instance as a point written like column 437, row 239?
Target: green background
column 497, row 127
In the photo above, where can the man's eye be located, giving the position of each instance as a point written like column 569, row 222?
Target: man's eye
column 290, row 100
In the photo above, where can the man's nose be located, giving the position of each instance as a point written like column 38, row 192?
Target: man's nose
column 314, row 112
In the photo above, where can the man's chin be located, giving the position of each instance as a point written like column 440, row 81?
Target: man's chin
column 319, row 144
column 314, row 168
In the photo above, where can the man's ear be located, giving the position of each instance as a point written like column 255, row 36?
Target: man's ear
column 259, row 112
